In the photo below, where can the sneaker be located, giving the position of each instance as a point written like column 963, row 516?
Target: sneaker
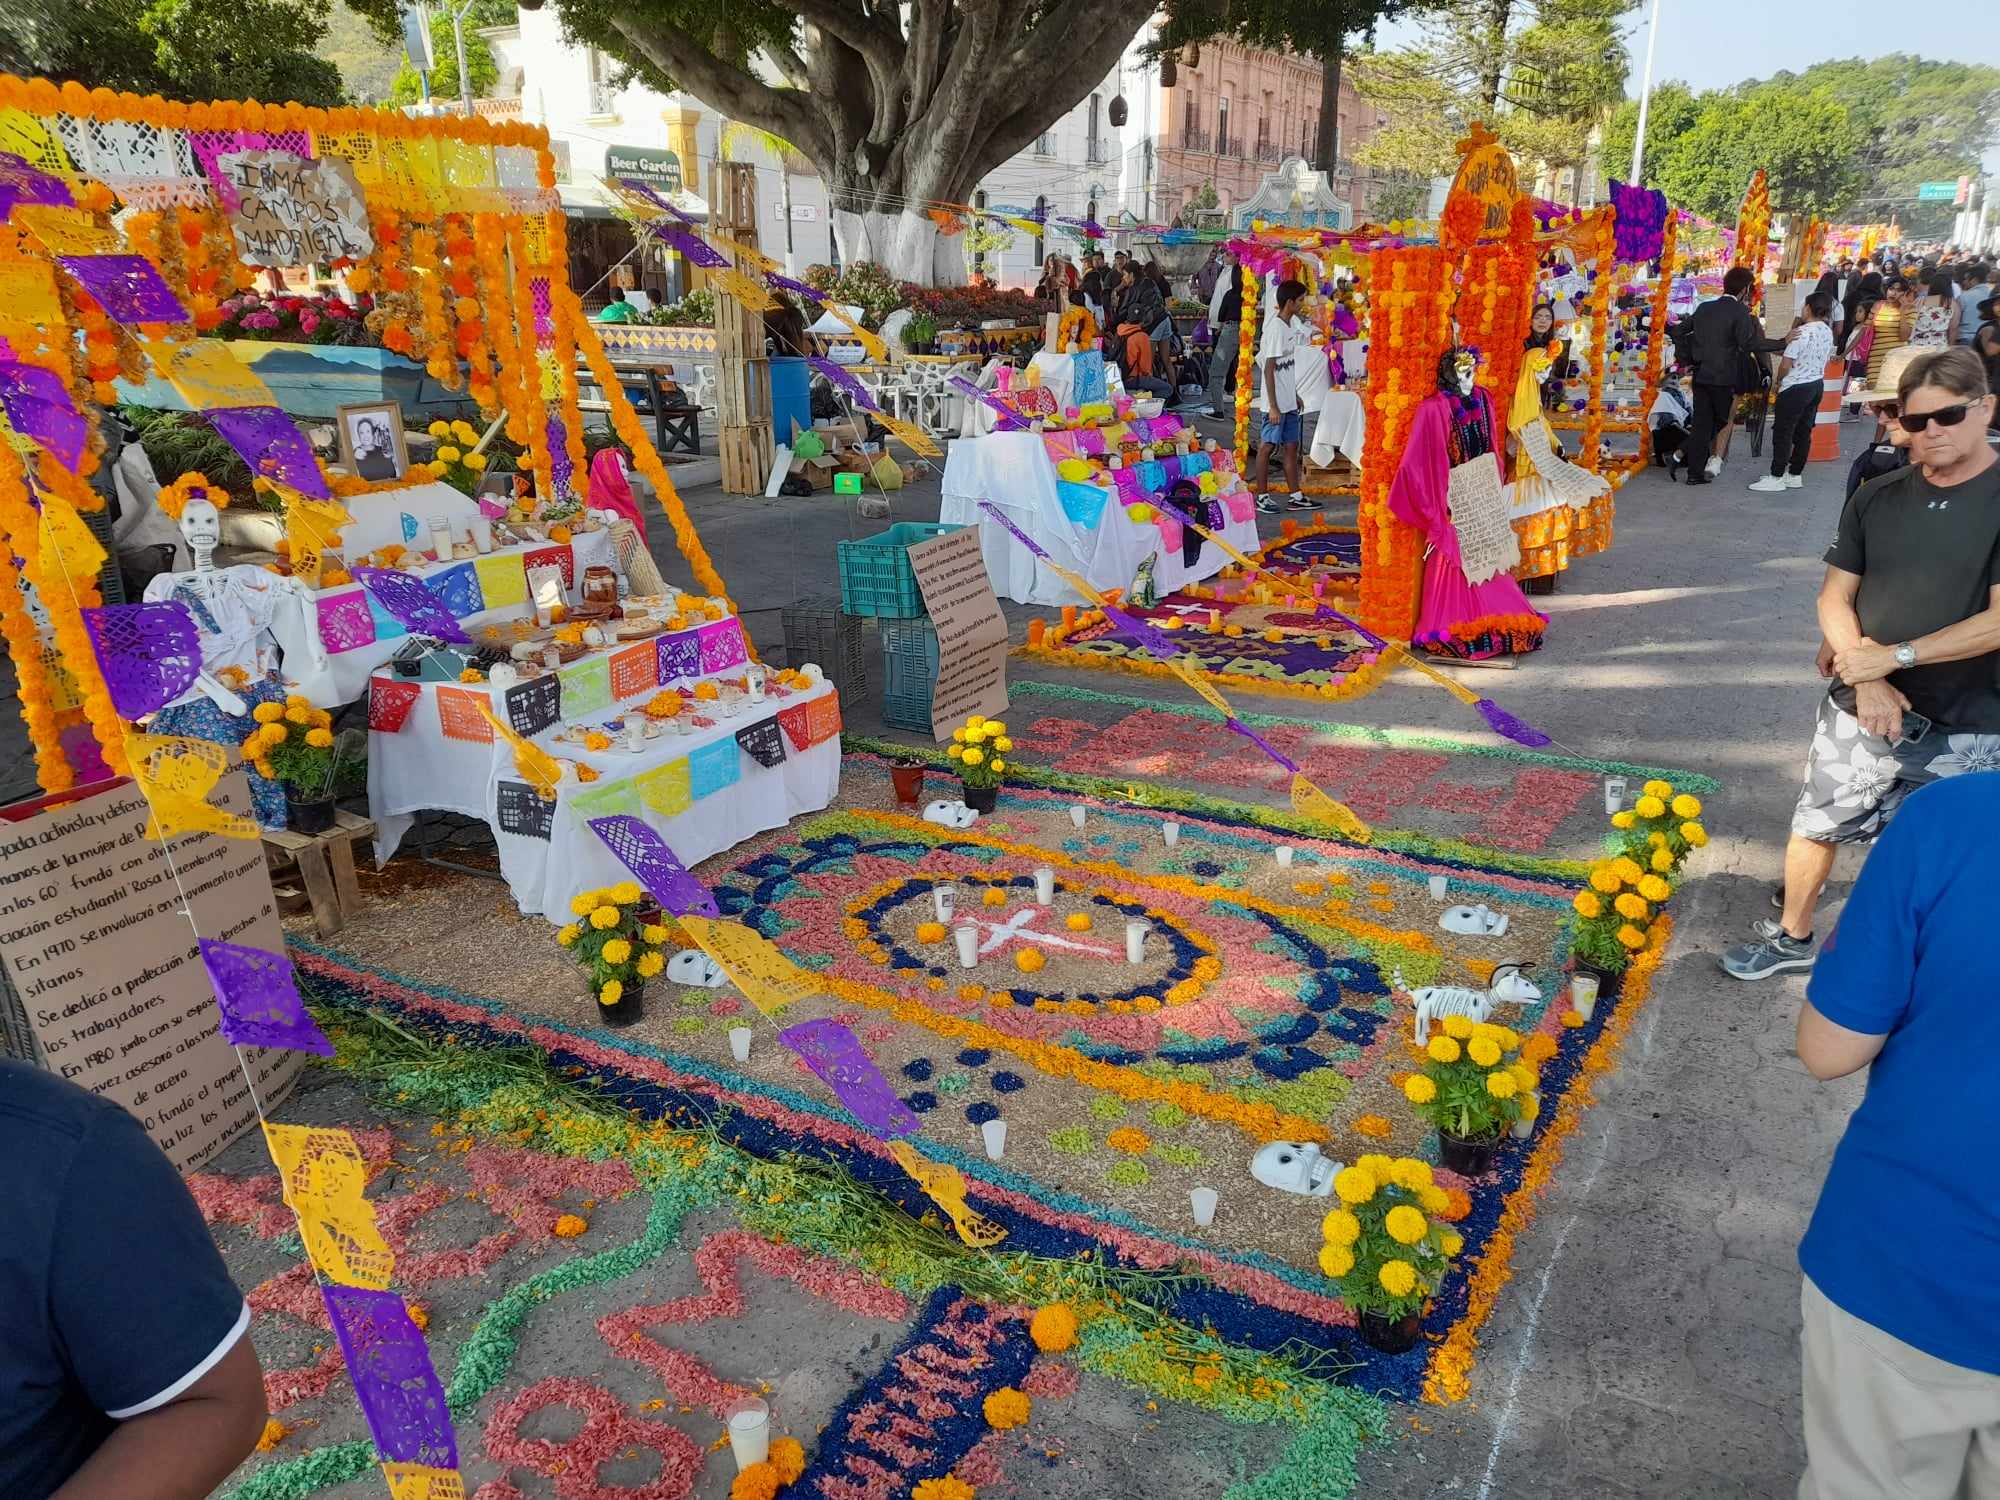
column 1270, row 505
column 1301, row 502
column 1778, row 896
column 1775, row 954
column 1770, row 484
column 1714, row 466
column 1795, row 481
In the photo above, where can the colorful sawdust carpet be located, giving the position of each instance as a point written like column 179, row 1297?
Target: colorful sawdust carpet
column 1260, row 1008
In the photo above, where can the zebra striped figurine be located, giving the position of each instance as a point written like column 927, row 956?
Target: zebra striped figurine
column 1509, row 985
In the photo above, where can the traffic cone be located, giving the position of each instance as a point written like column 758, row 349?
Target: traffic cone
column 1826, row 421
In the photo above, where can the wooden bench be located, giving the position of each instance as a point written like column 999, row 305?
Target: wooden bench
column 325, row 864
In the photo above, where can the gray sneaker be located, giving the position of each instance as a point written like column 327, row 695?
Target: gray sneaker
column 1775, row 953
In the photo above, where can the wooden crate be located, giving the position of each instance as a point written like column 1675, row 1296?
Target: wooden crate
column 324, row 864
column 746, row 459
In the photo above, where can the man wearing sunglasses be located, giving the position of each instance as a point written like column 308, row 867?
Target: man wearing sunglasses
column 1910, row 613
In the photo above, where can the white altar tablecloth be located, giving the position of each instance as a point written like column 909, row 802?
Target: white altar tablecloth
column 297, row 624
column 421, row 768
column 1012, row 470
column 1342, row 427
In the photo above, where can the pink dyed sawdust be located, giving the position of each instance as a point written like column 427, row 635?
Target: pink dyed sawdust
column 607, row 1431
column 1052, row 1380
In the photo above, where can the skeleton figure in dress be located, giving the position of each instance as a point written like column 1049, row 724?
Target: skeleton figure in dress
column 1509, row 985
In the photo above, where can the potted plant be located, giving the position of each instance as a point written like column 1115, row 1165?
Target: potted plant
column 616, row 949
column 906, row 774
column 1635, row 880
column 920, row 334
column 1473, row 1088
column 980, row 746
column 1387, row 1246
column 293, row 744
column 455, row 463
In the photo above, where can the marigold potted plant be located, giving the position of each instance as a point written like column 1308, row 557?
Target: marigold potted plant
column 293, row 744
column 1637, row 877
column 455, row 463
column 1472, row 1088
column 980, row 747
column 616, row 948
column 1387, row 1246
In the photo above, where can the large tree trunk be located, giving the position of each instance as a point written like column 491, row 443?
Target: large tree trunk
column 1326, row 149
column 1493, row 62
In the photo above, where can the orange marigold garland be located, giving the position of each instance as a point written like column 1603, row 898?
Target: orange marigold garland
column 528, row 341
column 1410, row 320
column 490, row 247
column 24, row 645
column 1246, row 363
column 437, row 347
column 1598, row 304
column 469, row 323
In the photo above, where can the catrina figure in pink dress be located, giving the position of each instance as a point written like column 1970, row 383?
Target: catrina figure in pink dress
column 1450, row 487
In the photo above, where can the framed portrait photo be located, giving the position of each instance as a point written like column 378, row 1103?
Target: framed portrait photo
column 372, row 443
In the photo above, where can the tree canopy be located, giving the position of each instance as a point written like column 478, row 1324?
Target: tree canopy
column 1847, row 140
column 1539, row 73
column 189, row 49
column 482, row 72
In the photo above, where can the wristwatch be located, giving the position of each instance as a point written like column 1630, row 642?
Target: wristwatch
column 1906, row 655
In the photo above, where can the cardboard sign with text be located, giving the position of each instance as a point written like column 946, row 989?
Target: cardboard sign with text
column 102, row 960
column 971, row 631
column 293, row 212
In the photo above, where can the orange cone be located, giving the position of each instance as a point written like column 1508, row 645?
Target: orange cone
column 1826, row 422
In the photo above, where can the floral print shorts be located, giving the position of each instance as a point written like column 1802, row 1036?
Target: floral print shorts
column 1855, row 781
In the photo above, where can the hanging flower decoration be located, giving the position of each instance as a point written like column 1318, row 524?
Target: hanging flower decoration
column 1642, row 222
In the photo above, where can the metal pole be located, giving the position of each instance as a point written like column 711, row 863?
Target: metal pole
column 1645, row 94
column 458, row 41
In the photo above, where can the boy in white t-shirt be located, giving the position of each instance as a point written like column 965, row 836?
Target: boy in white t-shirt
column 1277, row 396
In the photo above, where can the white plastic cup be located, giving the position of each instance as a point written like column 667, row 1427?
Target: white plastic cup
column 1078, row 813
column 441, row 540
column 1439, row 885
column 1203, row 1201
column 739, row 1042
column 749, row 1431
column 1283, row 854
column 1045, row 886
column 1135, row 941
column 995, row 1133
column 944, row 900
column 482, row 533
column 968, row 945
column 1583, row 994
column 1171, row 832
column 755, row 677
column 635, row 731
column 1614, row 794
column 1525, row 1128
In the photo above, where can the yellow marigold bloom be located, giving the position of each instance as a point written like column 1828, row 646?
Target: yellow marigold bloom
column 1405, row 1225
column 300, row 715
column 319, row 739
column 1686, row 806
column 1604, row 879
column 1419, row 1089
column 1340, row 1228
column 1587, row 905
column 1624, row 819
column 603, row 917
column 1655, row 889
column 625, row 892
column 1450, row 1241
column 617, row 951
column 930, row 932
column 1458, row 1028
column 611, row 994
column 264, row 713
column 439, row 429
column 1483, row 1050
column 955, row 751
column 653, row 933
column 450, row 455
column 1007, row 1407
column 1053, row 1328
column 585, row 904
column 1650, row 807
column 788, row 1455
column 1377, row 1166
column 1003, row 744
column 568, row 1227
column 1531, row 1106
column 650, row 963
column 974, row 755
column 475, row 461
column 994, row 896
column 1662, row 861
column 1631, row 937
column 958, row 736
column 1695, row 834
column 1443, row 1049
column 1398, row 1278
column 569, row 934
column 1434, row 1199
column 1336, row 1260
column 1029, row 960
column 1502, row 1085
column 1626, row 870
column 1353, row 1186
column 1410, row 1173
column 975, row 721
column 1525, row 1075
column 999, row 764
column 1630, row 907
column 1657, row 788
column 1077, row 921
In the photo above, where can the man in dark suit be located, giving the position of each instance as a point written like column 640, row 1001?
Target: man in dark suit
column 1719, row 335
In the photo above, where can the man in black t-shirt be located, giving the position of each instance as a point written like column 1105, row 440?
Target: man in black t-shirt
column 126, row 1371
column 1910, row 616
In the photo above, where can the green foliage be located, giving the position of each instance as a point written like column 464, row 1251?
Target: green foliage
column 188, row 49
column 180, row 442
column 1403, row 195
column 695, row 310
column 1203, row 202
column 869, row 287
column 480, row 68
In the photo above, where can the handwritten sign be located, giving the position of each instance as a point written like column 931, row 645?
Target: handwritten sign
column 291, row 212
column 102, row 962
column 971, row 631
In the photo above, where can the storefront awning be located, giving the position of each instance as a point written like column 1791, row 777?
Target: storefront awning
column 589, row 198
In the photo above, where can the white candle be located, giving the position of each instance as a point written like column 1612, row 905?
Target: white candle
column 1045, row 886
column 1583, row 994
column 1525, row 1128
column 968, row 944
column 635, row 731
column 749, row 1432
column 944, row 900
column 1135, row 942
column 1614, row 794
column 1077, row 814
column 1171, row 832
column 441, row 540
column 1283, row 854
column 995, row 1133
column 1203, row 1201
column 755, row 677
column 739, row 1043
column 1439, row 885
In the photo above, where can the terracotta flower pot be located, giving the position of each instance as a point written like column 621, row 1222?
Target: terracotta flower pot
column 1390, row 1335
column 907, row 776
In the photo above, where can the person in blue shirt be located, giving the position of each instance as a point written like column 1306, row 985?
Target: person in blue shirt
column 1901, row 1301
column 126, row 1371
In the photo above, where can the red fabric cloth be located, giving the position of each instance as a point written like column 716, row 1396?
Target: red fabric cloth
column 1138, row 349
column 610, row 490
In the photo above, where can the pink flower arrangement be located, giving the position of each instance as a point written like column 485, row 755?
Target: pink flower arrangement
column 294, row 319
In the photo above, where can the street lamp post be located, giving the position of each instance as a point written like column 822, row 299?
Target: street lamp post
column 1645, row 94
column 465, row 83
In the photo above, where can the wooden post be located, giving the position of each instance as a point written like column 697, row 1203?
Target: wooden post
column 743, row 374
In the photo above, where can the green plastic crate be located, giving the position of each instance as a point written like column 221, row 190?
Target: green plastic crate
column 910, row 662
column 875, row 573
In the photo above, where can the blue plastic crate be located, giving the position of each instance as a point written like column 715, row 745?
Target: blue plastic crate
column 875, row 573
column 910, row 662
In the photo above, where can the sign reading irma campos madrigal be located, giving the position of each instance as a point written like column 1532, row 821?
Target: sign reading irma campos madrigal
column 293, row 212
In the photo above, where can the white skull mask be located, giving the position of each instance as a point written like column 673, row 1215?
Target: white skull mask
column 950, row 815
column 1293, row 1167
column 691, row 966
column 201, row 526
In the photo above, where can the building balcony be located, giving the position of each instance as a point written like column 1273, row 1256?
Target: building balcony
column 1045, row 144
column 1266, row 152
column 1097, row 153
column 1197, row 140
